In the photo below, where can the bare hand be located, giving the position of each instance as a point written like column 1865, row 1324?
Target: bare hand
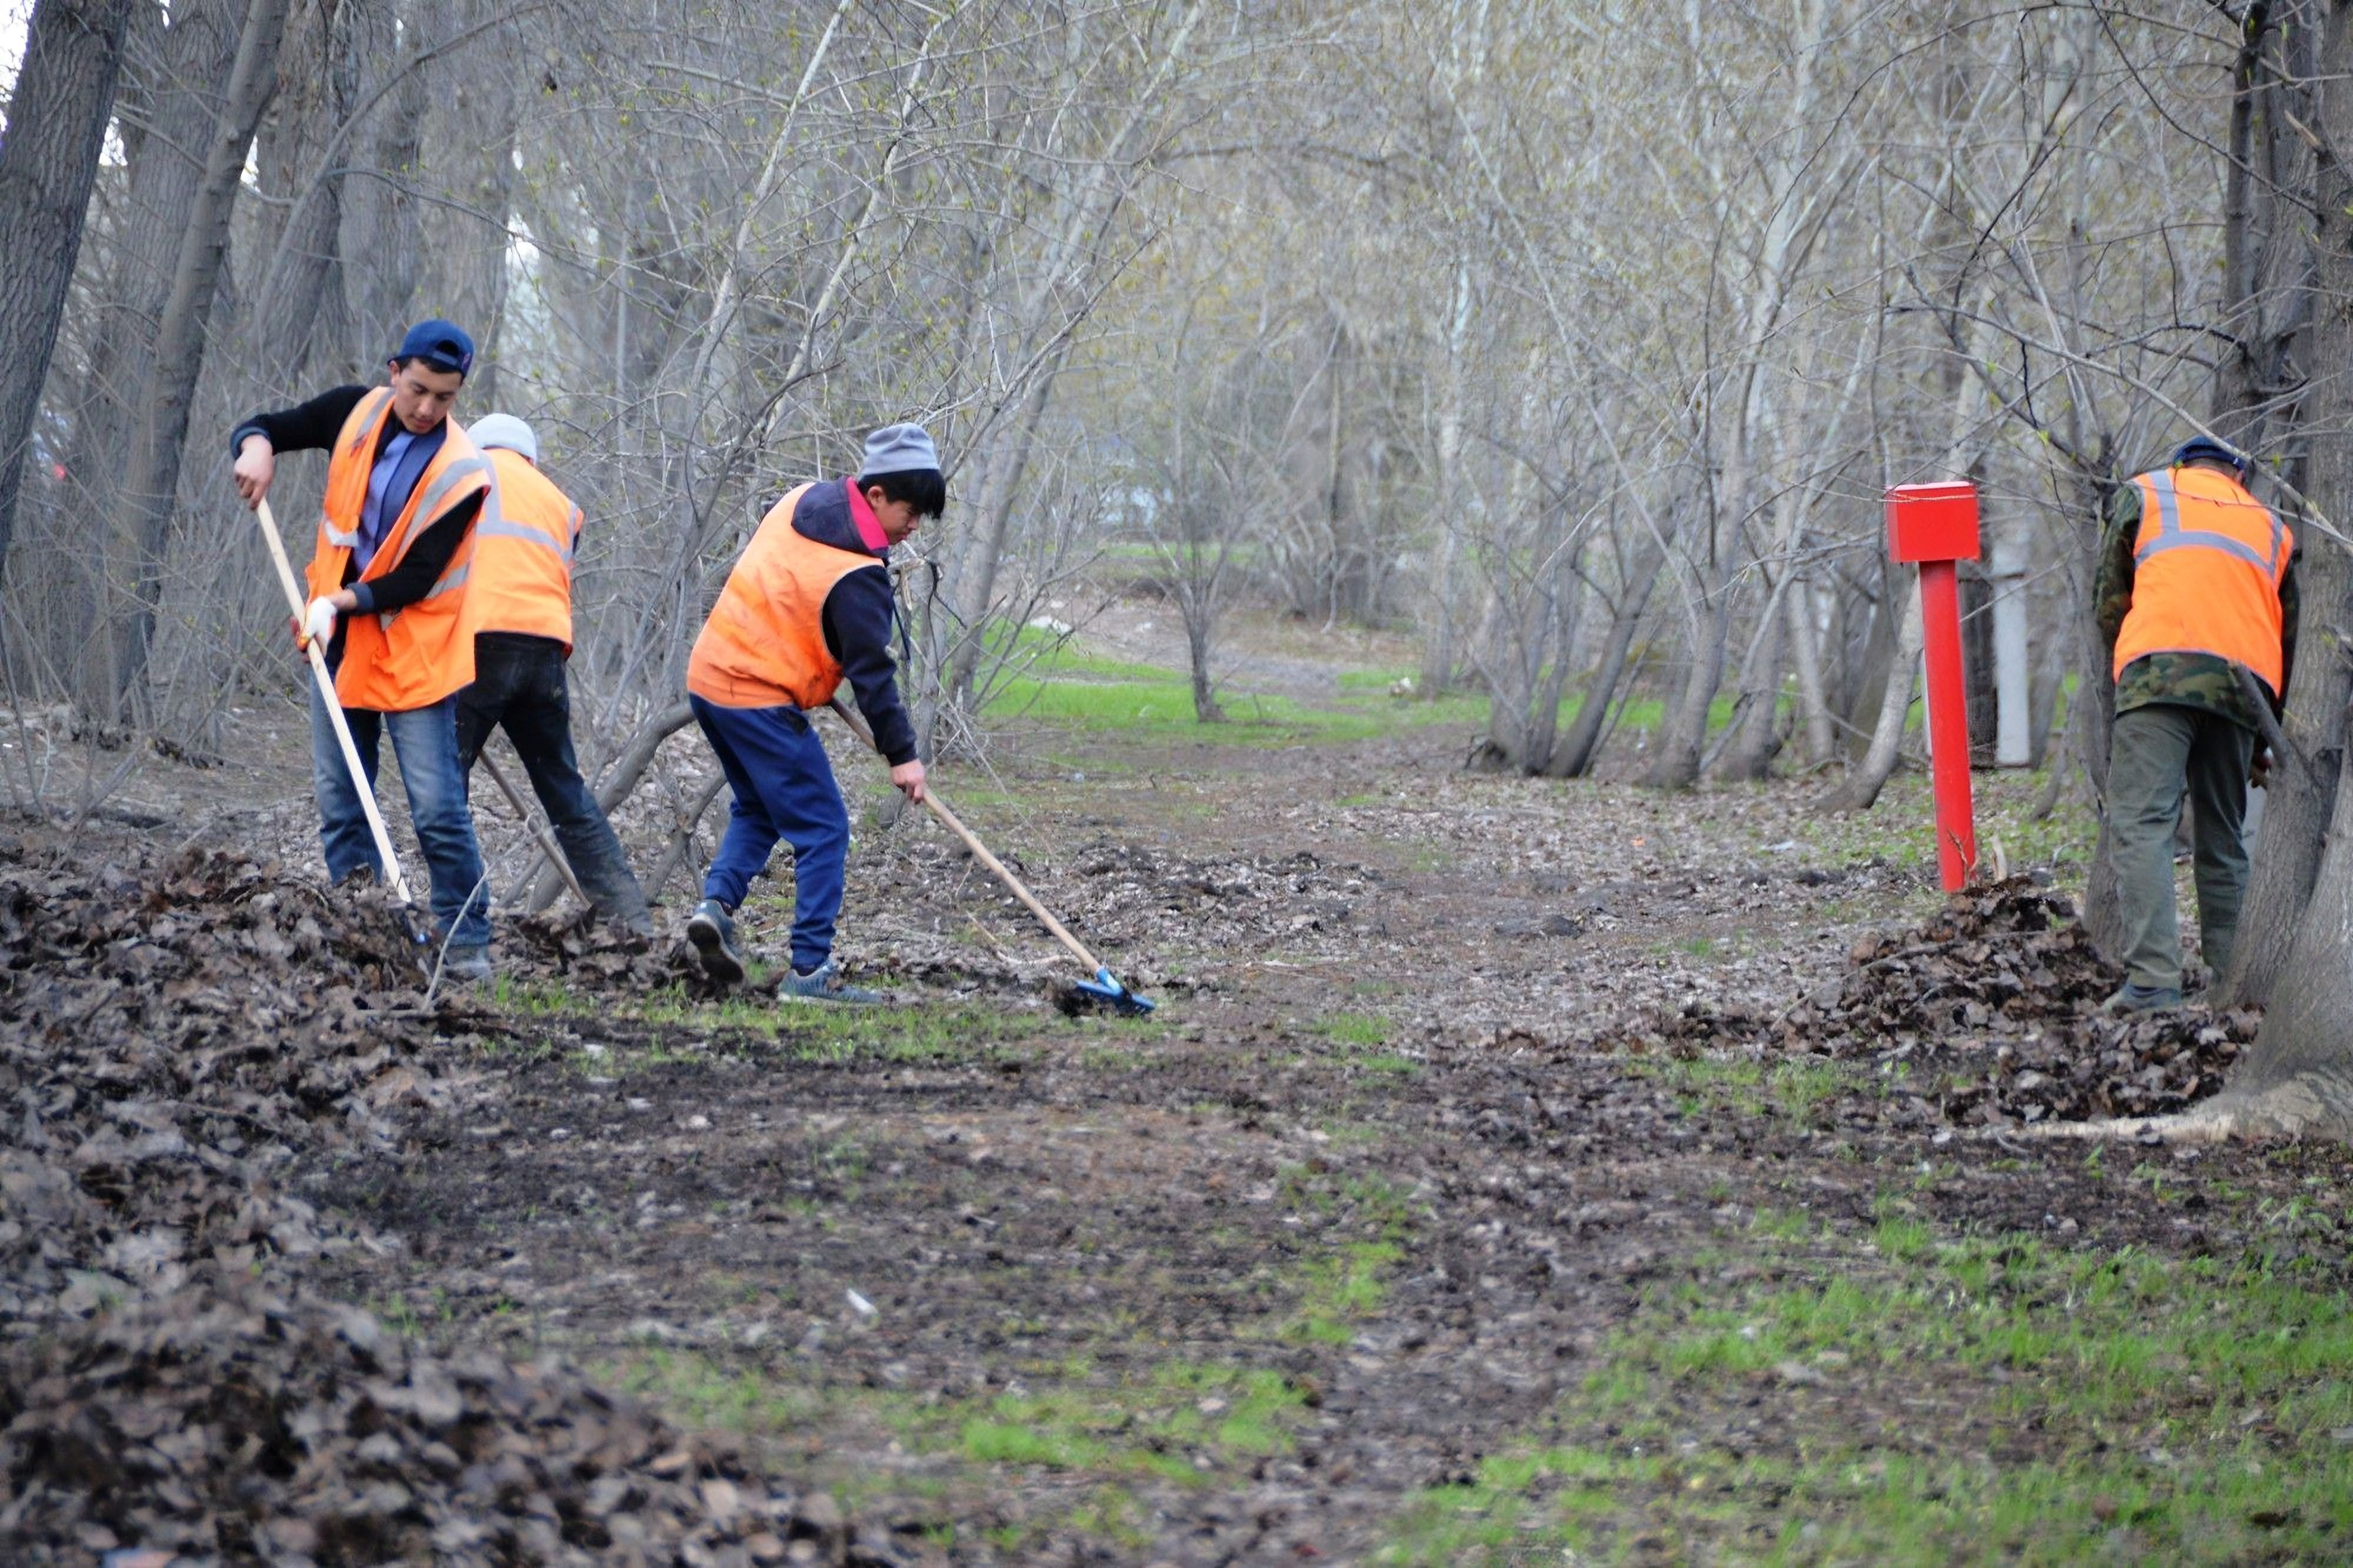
column 2259, row 775
column 256, row 465
column 908, row 777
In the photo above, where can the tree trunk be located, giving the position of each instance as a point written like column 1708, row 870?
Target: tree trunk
column 182, row 70
column 2268, row 281
column 49, row 160
column 1573, row 756
column 1198, row 625
column 975, row 588
column 1870, row 775
column 1756, row 728
column 2297, row 1078
column 1683, row 732
column 1813, row 697
column 179, row 353
column 1437, row 657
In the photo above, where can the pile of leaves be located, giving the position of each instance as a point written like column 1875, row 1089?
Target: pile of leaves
column 2000, row 992
column 231, row 1421
column 569, row 944
column 175, row 1037
column 170, row 1038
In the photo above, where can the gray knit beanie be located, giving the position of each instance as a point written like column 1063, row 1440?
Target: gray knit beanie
column 899, row 450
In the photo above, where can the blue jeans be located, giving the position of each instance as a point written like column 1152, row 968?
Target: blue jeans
column 425, row 742
column 784, row 789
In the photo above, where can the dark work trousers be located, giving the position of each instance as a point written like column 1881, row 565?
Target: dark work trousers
column 519, row 686
column 784, row 789
column 2157, row 756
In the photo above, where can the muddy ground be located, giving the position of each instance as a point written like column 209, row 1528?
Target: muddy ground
column 1459, row 1087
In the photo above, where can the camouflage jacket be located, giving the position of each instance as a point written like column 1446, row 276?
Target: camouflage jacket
column 2200, row 680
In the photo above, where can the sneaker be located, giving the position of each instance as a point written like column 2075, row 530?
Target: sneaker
column 823, row 984
column 466, row 965
column 712, row 930
column 2135, row 998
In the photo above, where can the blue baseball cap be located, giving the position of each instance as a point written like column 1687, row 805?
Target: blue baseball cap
column 442, row 345
column 2206, row 449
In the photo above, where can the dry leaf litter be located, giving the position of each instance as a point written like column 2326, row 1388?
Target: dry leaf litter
column 173, row 1037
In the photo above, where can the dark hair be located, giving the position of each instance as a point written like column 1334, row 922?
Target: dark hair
column 926, row 489
column 402, row 362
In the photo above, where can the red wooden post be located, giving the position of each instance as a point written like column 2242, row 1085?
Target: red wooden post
column 1935, row 525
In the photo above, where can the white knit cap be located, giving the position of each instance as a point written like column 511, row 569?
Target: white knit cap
column 504, row 430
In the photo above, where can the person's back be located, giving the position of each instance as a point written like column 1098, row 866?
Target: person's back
column 524, row 550
column 521, row 585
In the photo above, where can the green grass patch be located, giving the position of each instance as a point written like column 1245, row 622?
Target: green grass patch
column 1156, row 1423
column 917, row 1033
column 2108, row 1404
column 1342, row 1290
column 1365, row 1031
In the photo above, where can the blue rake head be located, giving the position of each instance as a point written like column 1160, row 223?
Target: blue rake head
column 1104, row 988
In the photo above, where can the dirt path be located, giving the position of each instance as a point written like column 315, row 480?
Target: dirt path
column 1374, row 1200
column 1497, row 1183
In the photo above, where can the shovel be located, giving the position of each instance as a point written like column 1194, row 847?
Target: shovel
column 335, row 712
column 1104, row 986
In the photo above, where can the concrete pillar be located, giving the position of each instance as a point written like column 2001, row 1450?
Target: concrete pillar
column 2013, row 676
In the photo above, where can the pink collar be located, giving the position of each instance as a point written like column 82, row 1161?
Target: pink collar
column 869, row 527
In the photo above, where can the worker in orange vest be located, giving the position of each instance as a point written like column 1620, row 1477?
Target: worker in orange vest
column 2196, row 577
column 807, row 604
column 522, row 589
column 387, row 579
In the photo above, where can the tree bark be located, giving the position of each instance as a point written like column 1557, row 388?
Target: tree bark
column 179, row 353
column 1573, row 756
column 1814, row 699
column 1683, row 732
column 1869, row 776
column 2268, row 282
column 2297, row 1078
column 1756, row 728
column 49, row 161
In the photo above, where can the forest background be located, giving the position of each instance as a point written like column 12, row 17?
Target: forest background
column 1583, row 340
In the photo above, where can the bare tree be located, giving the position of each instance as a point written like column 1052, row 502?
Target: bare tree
column 56, row 124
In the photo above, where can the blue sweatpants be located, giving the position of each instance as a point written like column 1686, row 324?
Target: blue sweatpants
column 784, row 789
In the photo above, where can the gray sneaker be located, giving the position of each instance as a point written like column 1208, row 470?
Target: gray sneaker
column 2135, row 998
column 712, row 930
column 468, row 965
column 823, row 984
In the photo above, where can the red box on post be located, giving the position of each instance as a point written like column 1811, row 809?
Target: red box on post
column 1931, row 522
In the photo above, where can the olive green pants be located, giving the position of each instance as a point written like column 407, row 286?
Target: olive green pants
column 2156, row 757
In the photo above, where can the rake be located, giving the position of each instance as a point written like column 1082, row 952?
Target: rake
column 335, row 714
column 1104, row 987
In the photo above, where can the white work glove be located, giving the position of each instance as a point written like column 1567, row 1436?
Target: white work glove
column 319, row 623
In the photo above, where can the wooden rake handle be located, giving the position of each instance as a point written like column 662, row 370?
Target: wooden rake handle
column 980, row 852
column 334, row 706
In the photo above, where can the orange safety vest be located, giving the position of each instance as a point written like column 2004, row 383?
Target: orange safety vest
column 764, row 645
column 2207, row 567
column 417, row 655
column 523, row 553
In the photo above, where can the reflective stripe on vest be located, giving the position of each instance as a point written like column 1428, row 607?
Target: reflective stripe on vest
column 2171, row 536
column 439, row 490
column 499, row 528
column 525, row 543
column 398, row 660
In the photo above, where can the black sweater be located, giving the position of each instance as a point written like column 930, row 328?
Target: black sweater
column 856, row 620
column 312, row 426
